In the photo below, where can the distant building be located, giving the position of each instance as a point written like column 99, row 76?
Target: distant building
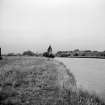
column 0, row 54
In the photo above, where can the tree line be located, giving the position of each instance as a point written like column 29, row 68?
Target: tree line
column 83, row 54
column 75, row 53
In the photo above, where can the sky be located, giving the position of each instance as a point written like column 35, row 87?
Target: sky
column 64, row 24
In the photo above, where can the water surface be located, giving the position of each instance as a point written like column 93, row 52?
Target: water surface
column 89, row 73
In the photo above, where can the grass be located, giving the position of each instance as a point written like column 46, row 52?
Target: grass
column 40, row 81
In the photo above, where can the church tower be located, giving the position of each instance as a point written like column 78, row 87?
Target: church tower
column 49, row 50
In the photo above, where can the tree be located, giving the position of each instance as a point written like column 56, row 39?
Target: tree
column 11, row 54
column 29, row 53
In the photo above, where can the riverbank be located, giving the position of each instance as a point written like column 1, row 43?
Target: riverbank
column 40, row 81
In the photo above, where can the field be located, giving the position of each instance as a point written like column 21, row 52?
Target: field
column 40, row 81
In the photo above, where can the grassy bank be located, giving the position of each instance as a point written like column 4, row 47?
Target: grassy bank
column 40, row 81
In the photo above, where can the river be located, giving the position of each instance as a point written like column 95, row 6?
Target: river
column 89, row 73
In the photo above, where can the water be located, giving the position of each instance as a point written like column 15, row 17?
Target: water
column 89, row 73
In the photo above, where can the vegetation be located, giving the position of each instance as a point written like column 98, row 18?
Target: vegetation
column 0, row 57
column 73, row 54
column 28, row 53
column 81, row 54
column 11, row 54
column 40, row 81
column 25, row 53
column 48, row 55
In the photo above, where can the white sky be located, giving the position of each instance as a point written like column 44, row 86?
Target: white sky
column 65, row 24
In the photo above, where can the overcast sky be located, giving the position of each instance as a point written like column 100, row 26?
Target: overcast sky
column 65, row 24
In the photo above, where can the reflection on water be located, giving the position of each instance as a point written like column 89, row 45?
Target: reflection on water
column 89, row 73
